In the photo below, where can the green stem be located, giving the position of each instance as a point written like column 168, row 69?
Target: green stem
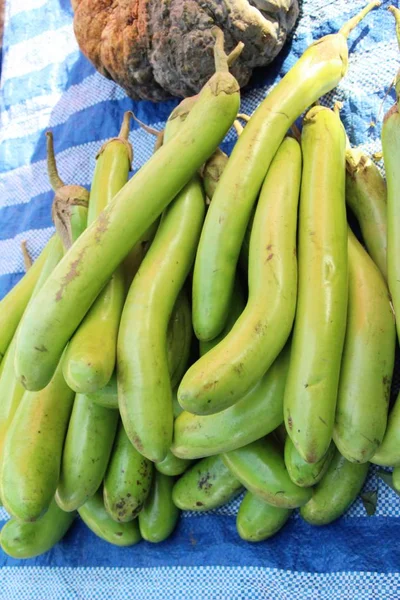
column 337, row 107
column 222, row 60
column 354, row 21
column 238, row 127
column 55, row 180
column 220, row 57
column 244, row 117
column 234, row 55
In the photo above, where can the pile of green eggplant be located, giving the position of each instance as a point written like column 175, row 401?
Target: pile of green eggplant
column 211, row 325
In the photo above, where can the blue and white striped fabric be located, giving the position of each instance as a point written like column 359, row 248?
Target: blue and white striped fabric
column 47, row 83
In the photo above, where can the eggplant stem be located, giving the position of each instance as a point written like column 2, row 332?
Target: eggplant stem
column 144, row 126
column 337, row 107
column 222, row 60
column 124, row 131
column 55, row 180
column 238, row 127
column 159, row 140
column 234, row 55
column 28, row 262
column 354, row 21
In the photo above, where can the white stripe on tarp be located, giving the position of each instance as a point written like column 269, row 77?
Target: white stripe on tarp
column 11, row 260
column 34, row 115
column 362, row 67
column 200, row 583
column 75, row 165
column 319, row 13
column 47, row 48
column 19, row 185
column 19, row 6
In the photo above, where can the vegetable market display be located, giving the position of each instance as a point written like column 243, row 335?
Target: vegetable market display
column 210, row 326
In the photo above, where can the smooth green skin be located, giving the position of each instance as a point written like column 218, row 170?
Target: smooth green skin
column 320, row 324
column 110, row 175
column 302, row 473
column 79, row 216
column 106, row 396
column 367, row 362
column 238, row 303
column 172, row 465
column 245, row 249
column 11, row 390
column 228, row 371
column 366, row 196
column 318, row 71
column 87, row 450
column 179, row 338
column 90, row 358
column 68, row 294
column 257, row 520
column 336, row 491
column 388, row 453
column 128, row 480
column 13, row 305
column 176, row 407
column 26, row 540
column 396, row 479
column 261, row 469
column 95, row 516
column 144, row 384
column 159, row 516
column 212, row 172
column 134, row 258
column 255, row 415
column 391, row 155
column 207, row 484
column 33, row 449
column 91, row 355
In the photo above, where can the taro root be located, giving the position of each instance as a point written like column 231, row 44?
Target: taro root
column 156, row 49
